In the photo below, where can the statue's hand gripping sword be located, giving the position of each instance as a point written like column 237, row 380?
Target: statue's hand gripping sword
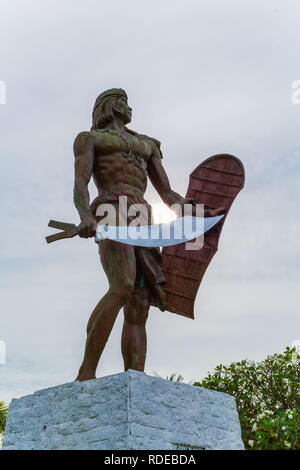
column 68, row 231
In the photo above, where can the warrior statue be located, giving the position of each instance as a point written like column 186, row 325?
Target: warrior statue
column 120, row 162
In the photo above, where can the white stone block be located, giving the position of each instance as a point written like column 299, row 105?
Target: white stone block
column 125, row 411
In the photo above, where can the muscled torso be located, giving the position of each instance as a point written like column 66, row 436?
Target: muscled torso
column 120, row 163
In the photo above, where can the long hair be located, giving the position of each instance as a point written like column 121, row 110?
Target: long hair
column 105, row 112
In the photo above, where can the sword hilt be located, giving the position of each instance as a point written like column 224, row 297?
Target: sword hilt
column 68, row 231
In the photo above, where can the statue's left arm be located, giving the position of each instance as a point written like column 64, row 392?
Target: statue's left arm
column 160, row 180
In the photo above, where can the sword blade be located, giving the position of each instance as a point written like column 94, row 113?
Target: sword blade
column 181, row 230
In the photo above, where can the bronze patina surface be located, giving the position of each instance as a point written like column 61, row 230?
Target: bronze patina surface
column 120, row 161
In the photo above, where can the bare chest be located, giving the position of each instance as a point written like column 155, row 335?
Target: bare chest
column 131, row 146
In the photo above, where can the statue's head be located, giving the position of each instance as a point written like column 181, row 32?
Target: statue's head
column 109, row 105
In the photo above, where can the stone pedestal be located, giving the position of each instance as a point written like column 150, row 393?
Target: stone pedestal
column 124, row 411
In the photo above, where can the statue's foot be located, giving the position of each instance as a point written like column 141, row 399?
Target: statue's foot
column 84, row 375
column 83, row 378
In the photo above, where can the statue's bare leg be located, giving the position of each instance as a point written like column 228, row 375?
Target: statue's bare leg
column 134, row 338
column 119, row 264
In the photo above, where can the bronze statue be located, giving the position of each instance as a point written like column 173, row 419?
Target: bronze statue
column 120, row 161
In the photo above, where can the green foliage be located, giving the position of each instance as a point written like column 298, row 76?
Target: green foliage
column 172, row 378
column 267, row 395
column 3, row 415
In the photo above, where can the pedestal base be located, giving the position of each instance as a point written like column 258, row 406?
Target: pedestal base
column 124, row 411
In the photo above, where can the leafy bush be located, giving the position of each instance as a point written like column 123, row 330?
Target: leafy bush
column 267, row 395
column 172, row 378
column 3, row 415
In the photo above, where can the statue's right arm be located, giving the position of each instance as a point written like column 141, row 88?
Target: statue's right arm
column 84, row 161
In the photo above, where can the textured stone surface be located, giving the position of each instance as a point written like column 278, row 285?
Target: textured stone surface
column 124, row 411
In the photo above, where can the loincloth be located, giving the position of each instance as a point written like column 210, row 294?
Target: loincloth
column 148, row 260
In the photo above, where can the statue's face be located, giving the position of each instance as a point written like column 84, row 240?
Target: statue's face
column 124, row 111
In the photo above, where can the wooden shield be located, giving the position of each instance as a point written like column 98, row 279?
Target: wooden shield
column 214, row 183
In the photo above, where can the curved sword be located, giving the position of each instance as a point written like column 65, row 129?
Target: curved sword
column 172, row 233
column 178, row 231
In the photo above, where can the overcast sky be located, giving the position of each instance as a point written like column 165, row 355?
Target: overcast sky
column 203, row 77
